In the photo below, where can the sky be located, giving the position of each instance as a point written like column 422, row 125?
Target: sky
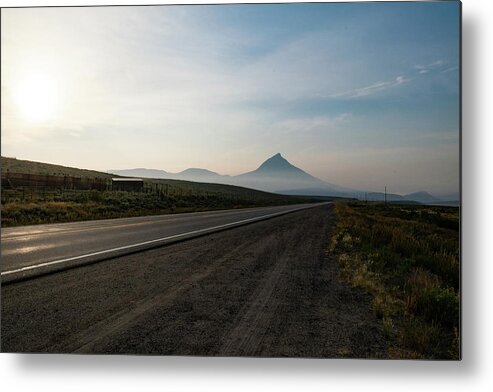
column 363, row 95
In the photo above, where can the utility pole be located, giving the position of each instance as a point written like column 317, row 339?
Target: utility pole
column 385, row 194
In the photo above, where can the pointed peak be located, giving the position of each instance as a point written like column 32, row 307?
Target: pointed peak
column 276, row 158
column 275, row 163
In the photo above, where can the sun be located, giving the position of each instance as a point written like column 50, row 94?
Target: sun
column 36, row 98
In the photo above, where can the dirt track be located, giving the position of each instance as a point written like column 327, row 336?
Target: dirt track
column 266, row 289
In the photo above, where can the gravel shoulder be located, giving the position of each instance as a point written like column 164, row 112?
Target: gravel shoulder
column 269, row 289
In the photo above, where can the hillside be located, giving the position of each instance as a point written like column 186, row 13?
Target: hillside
column 202, row 175
column 422, row 197
column 14, row 165
column 142, row 173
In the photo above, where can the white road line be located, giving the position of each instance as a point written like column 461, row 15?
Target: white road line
column 102, row 252
column 64, row 228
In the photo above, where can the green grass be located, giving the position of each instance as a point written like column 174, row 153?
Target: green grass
column 407, row 258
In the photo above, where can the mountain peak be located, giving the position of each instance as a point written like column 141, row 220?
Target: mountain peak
column 275, row 162
column 277, row 166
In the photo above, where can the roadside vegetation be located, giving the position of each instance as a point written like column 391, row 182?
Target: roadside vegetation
column 407, row 258
column 37, row 206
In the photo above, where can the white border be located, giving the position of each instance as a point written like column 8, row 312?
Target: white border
column 85, row 373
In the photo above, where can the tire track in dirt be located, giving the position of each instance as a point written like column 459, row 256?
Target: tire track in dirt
column 245, row 264
column 86, row 341
column 268, row 303
column 245, row 338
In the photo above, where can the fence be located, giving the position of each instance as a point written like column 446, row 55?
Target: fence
column 22, row 187
column 15, row 180
column 36, row 187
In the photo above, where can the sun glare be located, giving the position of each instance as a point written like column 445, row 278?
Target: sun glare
column 36, row 98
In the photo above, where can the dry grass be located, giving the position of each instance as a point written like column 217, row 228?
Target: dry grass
column 14, row 165
column 74, row 206
column 407, row 258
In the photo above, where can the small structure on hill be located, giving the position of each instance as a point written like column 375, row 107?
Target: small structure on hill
column 127, row 184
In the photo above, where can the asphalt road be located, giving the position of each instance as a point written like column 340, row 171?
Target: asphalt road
column 30, row 250
column 265, row 289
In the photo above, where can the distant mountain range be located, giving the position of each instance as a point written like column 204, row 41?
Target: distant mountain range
column 277, row 175
column 192, row 174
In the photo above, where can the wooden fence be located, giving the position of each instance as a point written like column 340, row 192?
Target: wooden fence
column 17, row 180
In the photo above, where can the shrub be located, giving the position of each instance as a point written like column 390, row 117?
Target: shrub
column 388, row 327
column 419, row 279
column 420, row 336
column 439, row 305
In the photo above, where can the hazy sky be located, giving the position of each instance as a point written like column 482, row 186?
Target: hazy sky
column 361, row 95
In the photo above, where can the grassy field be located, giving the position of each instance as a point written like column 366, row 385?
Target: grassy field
column 55, row 207
column 37, row 205
column 407, row 258
column 22, row 166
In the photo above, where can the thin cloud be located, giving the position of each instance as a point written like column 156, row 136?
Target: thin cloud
column 385, row 85
column 374, row 88
column 425, row 68
column 450, row 69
